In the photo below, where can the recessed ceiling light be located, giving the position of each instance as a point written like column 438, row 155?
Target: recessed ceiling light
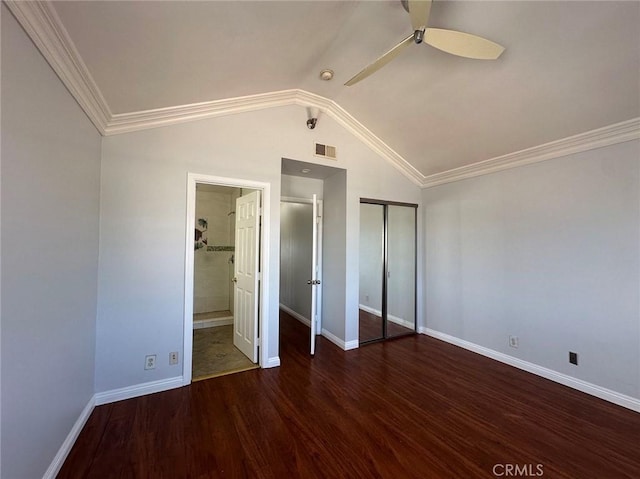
column 326, row 75
column 305, row 170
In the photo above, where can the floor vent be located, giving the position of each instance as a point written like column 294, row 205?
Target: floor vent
column 326, row 151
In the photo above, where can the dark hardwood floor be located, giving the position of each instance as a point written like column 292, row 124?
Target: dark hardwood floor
column 413, row 407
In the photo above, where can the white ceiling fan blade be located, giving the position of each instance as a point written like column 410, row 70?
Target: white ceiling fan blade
column 419, row 12
column 382, row 61
column 462, row 44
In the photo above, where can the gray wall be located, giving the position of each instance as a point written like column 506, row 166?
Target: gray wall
column 334, row 250
column 296, row 241
column 549, row 253
column 301, row 187
column 142, row 226
column 50, row 208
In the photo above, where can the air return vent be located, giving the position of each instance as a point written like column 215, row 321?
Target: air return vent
column 326, row 151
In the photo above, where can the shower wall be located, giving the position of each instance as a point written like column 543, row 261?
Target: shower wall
column 213, row 256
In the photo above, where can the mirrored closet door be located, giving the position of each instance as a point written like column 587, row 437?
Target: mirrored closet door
column 387, row 296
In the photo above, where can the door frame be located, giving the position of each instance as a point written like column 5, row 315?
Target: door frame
column 263, row 301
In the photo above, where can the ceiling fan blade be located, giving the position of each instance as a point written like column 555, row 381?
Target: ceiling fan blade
column 462, row 44
column 419, row 12
column 382, row 61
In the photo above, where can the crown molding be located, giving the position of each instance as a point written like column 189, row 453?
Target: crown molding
column 42, row 24
column 590, row 140
column 44, row 27
column 146, row 119
column 361, row 132
column 143, row 120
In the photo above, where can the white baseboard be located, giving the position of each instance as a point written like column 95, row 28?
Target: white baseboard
column 212, row 323
column 390, row 317
column 295, row 314
column 55, row 466
column 346, row 346
column 272, row 362
column 584, row 386
column 354, row 344
column 370, row 310
column 401, row 322
column 136, row 390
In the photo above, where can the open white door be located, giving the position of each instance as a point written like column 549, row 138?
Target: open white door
column 245, row 314
column 315, row 280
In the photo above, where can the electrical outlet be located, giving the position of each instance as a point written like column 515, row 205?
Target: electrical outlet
column 173, row 358
column 150, row 361
column 573, row 358
column 513, row 341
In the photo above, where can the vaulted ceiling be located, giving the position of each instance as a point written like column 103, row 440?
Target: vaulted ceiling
column 569, row 67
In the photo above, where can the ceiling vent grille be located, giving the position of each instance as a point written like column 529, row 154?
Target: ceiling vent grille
column 326, row 151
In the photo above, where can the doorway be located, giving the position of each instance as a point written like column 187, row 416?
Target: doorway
column 301, row 262
column 387, row 286
column 224, row 304
column 302, row 288
column 214, row 291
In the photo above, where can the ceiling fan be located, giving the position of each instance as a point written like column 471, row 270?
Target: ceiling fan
column 450, row 41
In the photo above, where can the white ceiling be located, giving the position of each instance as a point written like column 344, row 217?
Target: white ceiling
column 569, row 66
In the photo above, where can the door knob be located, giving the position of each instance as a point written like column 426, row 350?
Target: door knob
column 235, row 280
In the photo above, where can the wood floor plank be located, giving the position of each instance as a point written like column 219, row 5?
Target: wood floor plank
column 409, row 408
column 80, row 458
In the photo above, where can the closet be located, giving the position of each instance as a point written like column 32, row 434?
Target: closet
column 387, row 287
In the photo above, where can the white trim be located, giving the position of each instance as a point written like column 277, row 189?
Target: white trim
column 357, row 129
column 113, row 395
column 590, row 140
column 296, row 315
column 339, row 342
column 370, row 310
column 142, row 120
column 55, row 466
column 400, row 321
column 212, row 323
column 353, row 344
column 44, row 27
column 584, row 386
column 390, row 317
column 272, row 362
column 147, row 119
column 263, row 333
column 189, row 259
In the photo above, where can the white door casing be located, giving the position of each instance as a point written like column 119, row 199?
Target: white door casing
column 318, row 264
column 265, row 360
column 316, row 272
column 247, row 275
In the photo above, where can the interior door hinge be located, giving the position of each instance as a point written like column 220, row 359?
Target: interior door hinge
column 258, row 342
